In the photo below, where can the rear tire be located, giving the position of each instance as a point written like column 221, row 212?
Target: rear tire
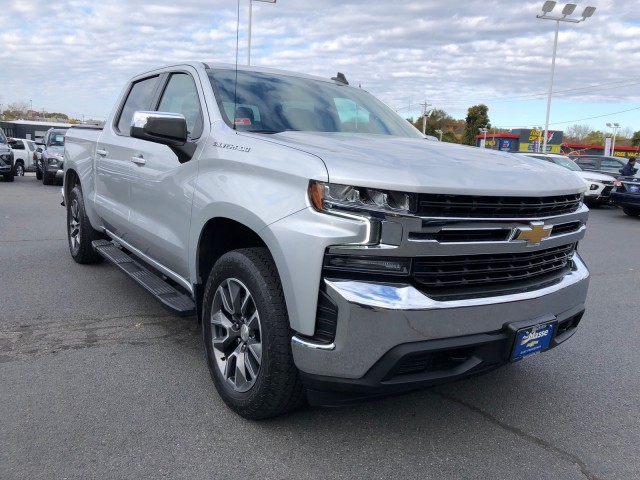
column 80, row 233
column 247, row 336
column 632, row 212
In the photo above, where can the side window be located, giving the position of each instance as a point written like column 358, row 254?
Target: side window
column 611, row 165
column 181, row 96
column 586, row 163
column 139, row 98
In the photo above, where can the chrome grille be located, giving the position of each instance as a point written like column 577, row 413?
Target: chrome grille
column 469, row 206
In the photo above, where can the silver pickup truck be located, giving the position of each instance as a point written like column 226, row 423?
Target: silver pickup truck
column 331, row 252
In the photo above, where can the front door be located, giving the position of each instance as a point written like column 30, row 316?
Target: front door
column 162, row 189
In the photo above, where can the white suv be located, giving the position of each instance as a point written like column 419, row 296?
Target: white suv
column 599, row 185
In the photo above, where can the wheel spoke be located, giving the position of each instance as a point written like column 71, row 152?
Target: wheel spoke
column 241, row 371
column 223, row 334
column 254, row 347
column 253, row 322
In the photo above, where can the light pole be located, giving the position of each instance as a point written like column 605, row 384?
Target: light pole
column 568, row 9
column 250, row 14
column 439, row 132
column 484, row 130
column 615, row 127
column 31, row 109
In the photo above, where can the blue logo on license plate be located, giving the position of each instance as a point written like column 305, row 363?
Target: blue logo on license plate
column 532, row 340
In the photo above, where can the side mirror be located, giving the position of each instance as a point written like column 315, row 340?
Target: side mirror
column 165, row 128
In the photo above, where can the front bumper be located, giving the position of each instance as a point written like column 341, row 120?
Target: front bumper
column 382, row 328
column 56, row 171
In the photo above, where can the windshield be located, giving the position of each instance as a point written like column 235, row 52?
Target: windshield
column 56, row 138
column 271, row 103
column 567, row 163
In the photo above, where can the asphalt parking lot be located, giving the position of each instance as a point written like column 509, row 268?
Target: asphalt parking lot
column 97, row 380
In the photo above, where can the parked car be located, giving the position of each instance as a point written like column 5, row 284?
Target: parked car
column 600, row 163
column 627, row 195
column 24, row 155
column 52, row 161
column 6, row 159
column 599, row 185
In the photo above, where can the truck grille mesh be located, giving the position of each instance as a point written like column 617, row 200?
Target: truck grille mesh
column 490, row 274
column 469, row 206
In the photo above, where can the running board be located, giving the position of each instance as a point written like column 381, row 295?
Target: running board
column 171, row 298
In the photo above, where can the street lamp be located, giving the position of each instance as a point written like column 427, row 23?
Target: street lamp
column 615, row 127
column 250, row 14
column 568, row 9
column 31, row 109
column 484, row 130
column 439, row 132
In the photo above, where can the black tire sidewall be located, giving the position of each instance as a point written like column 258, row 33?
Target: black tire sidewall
column 84, row 253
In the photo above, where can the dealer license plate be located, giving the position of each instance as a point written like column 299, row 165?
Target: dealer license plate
column 634, row 188
column 532, row 340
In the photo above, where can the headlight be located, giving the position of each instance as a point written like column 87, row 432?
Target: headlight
column 52, row 160
column 328, row 196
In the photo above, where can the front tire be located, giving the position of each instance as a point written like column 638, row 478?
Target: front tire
column 247, row 336
column 19, row 169
column 46, row 179
column 80, row 233
column 632, row 212
column 8, row 177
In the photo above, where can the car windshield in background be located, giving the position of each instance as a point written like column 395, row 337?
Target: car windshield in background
column 3, row 139
column 56, row 139
column 271, row 103
column 567, row 163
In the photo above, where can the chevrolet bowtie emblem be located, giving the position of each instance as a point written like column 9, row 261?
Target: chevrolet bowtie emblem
column 537, row 232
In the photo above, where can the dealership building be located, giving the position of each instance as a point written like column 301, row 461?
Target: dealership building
column 531, row 140
column 28, row 129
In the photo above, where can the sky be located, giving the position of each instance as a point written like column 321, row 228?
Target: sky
column 75, row 56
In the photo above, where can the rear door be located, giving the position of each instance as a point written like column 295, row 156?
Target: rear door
column 115, row 148
column 162, row 190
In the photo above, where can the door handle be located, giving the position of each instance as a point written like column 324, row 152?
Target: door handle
column 139, row 160
column 102, row 153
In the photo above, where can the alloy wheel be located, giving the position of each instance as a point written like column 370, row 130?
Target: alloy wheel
column 74, row 225
column 236, row 335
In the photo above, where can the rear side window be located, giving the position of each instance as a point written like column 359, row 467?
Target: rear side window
column 16, row 145
column 586, row 163
column 139, row 98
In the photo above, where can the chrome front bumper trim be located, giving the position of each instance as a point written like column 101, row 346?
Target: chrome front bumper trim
column 407, row 297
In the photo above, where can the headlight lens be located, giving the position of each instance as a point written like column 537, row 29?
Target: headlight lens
column 328, row 196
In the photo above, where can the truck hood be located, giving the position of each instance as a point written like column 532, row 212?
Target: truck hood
column 423, row 166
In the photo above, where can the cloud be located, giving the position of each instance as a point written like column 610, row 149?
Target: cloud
column 75, row 56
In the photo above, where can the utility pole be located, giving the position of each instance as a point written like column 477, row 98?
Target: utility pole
column 424, row 116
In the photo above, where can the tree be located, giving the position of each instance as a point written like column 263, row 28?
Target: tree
column 477, row 118
column 440, row 120
column 595, row 138
column 577, row 133
column 635, row 139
